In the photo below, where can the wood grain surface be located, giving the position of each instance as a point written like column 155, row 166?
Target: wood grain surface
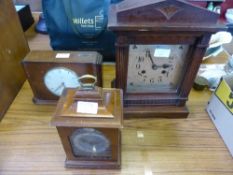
column 13, row 48
column 191, row 146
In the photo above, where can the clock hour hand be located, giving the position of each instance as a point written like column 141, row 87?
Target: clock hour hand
column 164, row 66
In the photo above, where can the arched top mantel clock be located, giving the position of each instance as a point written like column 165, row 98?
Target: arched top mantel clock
column 159, row 47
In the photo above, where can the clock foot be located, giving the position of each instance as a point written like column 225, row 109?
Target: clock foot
column 156, row 112
column 43, row 102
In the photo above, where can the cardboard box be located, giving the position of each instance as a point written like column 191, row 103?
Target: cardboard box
column 220, row 110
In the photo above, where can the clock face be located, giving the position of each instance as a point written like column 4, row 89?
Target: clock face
column 89, row 142
column 155, row 68
column 56, row 79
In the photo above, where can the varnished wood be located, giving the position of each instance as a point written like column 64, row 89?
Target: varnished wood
column 190, row 146
column 160, row 22
column 109, row 114
column 169, row 146
column 107, row 120
column 161, row 15
column 156, row 111
column 13, row 48
column 114, row 137
column 37, row 63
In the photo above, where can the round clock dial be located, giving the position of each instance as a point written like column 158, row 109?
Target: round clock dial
column 155, row 68
column 57, row 79
column 89, row 142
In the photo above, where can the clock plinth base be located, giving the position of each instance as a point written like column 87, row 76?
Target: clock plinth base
column 43, row 102
column 156, row 112
column 92, row 164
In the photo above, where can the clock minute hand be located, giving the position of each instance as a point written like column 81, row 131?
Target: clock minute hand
column 60, row 86
column 148, row 54
column 164, row 66
column 155, row 66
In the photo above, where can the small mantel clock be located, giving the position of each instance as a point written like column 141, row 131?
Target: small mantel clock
column 159, row 47
column 89, row 122
column 50, row 72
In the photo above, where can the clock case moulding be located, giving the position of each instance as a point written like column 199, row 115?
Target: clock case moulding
column 108, row 120
column 160, row 22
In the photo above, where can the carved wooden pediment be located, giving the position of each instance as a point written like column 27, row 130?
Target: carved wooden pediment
column 160, row 12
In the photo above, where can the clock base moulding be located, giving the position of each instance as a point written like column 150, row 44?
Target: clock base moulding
column 94, row 165
column 162, row 111
column 156, row 111
column 43, row 102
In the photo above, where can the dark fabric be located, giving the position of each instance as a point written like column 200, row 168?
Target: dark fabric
column 79, row 25
column 41, row 25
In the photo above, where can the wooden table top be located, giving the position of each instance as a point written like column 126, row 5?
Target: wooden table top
column 190, row 146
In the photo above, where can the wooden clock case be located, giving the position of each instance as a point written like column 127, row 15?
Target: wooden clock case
column 160, row 22
column 37, row 63
column 108, row 120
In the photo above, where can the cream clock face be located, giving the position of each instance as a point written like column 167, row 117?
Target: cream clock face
column 57, row 79
column 155, row 68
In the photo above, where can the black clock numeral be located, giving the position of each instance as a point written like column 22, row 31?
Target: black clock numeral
column 138, row 66
column 148, row 53
column 160, row 79
column 171, row 58
column 140, row 59
column 152, row 81
column 142, row 73
column 135, row 46
column 131, row 83
column 165, row 72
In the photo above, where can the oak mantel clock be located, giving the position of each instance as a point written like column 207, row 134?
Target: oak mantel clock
column 89, row 122
column 159, row 47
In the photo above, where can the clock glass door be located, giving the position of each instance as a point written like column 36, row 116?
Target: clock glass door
column 90, row 143
column 155, row 68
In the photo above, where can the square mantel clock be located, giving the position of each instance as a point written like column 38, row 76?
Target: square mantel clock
column 49, row 72
column 89, row 123
column 159, row 47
